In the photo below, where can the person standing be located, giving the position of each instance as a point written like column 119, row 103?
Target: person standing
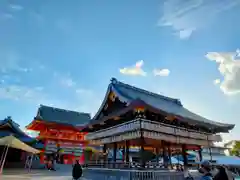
column 205, row 170
column 222, row 174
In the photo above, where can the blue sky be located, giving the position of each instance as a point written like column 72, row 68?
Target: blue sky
column 63, row 53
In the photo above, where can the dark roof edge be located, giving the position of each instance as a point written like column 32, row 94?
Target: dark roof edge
column 15, row 126
column 114, row 81
column 175, row 100
column 113, row 114
column 138, row 102
column 60, row 123
column 61, row 109
column 229, row 126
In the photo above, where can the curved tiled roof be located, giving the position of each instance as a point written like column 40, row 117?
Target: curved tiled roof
column 16, row 130
column 169, row 105
column 57, row 115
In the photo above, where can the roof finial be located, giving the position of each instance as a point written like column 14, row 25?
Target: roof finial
column 113, row 80
column 9, row 118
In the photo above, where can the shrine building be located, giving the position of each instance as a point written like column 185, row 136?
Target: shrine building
column 130, row 116
column 60, row 129
column 15, row 157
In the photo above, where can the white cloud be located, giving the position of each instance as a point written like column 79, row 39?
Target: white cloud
column 81, row 99
column 16, row 7
column 84, row 92
column 229, row 68
column 135, row 70
column 161, row 72
column 6, row 16
column 217, row 81
column 186, row 16
column 185, row 33
column 65, row 80
column 21, row 93
column 10, row 61
column 88, row 100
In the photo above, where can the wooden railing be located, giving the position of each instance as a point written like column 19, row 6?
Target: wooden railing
column 136, row 124
column 120, row 172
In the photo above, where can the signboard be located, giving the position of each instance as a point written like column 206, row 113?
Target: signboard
column 67, row 147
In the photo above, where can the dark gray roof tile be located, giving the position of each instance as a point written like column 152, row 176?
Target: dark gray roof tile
column 57, row 115
column 16, row 130
column 169, row 105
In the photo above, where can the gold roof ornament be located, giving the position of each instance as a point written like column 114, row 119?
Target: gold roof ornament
column 112, row 96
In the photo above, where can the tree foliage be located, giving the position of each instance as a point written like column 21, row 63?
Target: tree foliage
column 235, row 151
column 147, row 155
column 87, row 154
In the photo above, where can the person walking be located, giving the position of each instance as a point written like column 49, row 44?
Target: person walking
column 77, row 171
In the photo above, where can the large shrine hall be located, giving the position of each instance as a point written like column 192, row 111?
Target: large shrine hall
column 129, row 118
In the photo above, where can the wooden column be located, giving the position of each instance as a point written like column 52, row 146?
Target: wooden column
column 184, row 154
column 105, row 155
column 114, row 153
column 127, row 151
column 123, row 153
column 142, row 158
column 165, row 155
column 200, row 154
column 169, row 155
column 157, row 154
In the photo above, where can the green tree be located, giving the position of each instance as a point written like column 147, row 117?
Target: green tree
column 147, row 155
column 235, row 151
column 87, row 154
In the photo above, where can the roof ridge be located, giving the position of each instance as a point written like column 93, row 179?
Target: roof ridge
column 174, row 100
column 65, row 110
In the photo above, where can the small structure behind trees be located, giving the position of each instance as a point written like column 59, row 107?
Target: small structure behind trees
column 235, row 151
column 233, row 148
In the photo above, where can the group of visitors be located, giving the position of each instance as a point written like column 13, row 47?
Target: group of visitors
column 76, row 171
column 222, row 172
column 51, row 162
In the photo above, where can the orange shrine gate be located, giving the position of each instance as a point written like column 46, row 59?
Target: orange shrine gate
column 59, row 131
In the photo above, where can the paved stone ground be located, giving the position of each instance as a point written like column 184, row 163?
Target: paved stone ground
column 22, row 174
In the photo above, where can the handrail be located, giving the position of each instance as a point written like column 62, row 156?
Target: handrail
column 151, row 122
column 181, row 128
column 119, row 125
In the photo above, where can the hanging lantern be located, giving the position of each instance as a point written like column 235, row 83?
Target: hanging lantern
column 116, row 118
column 139, row 109
column 170, row 118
